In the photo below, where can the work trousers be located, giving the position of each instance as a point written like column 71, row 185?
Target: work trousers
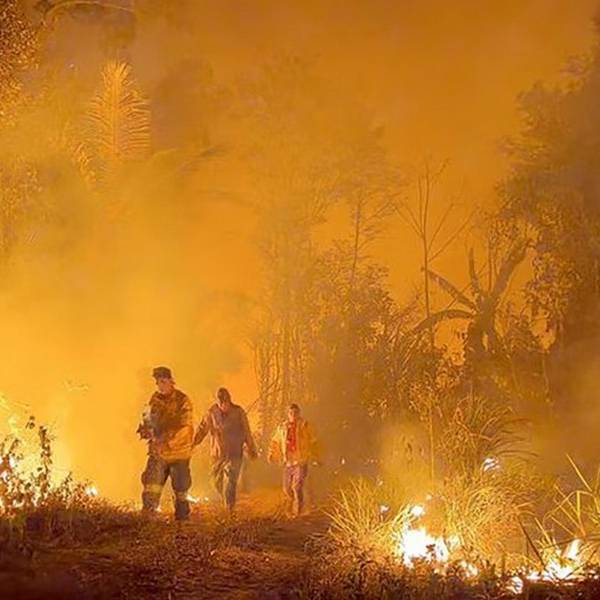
column 154, row 478
column 294, row 477
column 225, row 474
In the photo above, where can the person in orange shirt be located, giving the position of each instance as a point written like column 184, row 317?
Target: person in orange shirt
column 168, row 426
column 293, row 446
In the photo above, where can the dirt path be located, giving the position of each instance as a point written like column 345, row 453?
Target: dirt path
column 257, row 554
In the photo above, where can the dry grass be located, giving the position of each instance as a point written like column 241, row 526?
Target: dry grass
column 361, row 523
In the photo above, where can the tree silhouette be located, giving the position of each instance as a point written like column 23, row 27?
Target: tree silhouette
column 479, row 308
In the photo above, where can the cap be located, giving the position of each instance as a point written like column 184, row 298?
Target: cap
column 162, row 373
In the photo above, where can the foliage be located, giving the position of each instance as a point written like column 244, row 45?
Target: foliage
column 19, row 44
column 480, row 309
column 476, row 428
column 553, row 190
column 34, row 507
column 119, row 122
column 358, row 524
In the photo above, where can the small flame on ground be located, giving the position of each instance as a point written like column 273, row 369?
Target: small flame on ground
column 562, row 566
column 515, row 585
column 197, row 499
column 91, row 491
column 491, row 463
column 412, row 544
column 415, row 544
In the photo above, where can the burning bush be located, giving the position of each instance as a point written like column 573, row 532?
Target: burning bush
column 36, row 507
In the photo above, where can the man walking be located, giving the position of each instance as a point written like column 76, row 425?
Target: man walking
column 227, row 426
column 294, row 445
column 168, row 426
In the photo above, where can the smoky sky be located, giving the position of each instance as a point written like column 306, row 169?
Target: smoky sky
column 440, row 78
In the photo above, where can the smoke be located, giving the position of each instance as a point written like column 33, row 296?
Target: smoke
column 93, row 299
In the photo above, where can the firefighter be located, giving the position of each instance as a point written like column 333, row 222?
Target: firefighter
column 294, row 446
column 227, row 426
column 168, row 426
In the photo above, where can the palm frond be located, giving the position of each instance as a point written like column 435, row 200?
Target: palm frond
column 119, row 120
column 438, row 317
column 451, row 290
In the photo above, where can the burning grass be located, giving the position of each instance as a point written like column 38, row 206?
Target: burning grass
column 470, row 537
column 35, row 508
column 456, row 544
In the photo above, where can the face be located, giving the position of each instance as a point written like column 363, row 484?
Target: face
column 293, row 414
column 165, row 385
column 224, row 404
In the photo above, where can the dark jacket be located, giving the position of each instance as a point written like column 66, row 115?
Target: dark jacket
column 228, row 432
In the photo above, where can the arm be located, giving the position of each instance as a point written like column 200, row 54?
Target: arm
column 202, row 431
column 249, row 440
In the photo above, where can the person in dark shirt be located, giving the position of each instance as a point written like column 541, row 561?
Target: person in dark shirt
column 226, row 425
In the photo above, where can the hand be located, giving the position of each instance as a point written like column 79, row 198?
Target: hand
column 144, row 432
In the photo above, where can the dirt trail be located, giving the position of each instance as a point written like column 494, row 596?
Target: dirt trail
column 269, row 567
column 257, row 554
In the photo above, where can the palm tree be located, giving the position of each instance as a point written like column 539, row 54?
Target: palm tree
column 118, row 123
column 479, row 308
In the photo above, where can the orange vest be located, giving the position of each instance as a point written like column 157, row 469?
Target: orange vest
column 306, row 445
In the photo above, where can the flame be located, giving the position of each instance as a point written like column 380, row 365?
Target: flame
column 91, row 490
column 412, row 544
column 515, row 585
column 383, row 509
column 416, row 543
column 491, row 463
column 561, row 566
column 197, row 499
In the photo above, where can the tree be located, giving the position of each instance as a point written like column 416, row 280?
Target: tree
column 19, row 45
column 428, row 229
column 553, row 188
column 308, row 155
column 480, row 309
column 293, row 172
column 351, row 359
column 368, row 193
column 119, row 123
